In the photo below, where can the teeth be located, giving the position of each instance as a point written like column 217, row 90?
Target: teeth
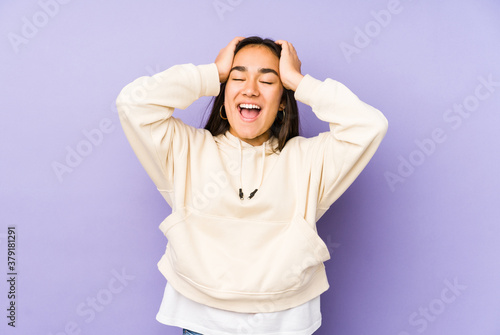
column 249, row 106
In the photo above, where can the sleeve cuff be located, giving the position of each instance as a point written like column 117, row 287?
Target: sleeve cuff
column 305, row 91
column 209, row 79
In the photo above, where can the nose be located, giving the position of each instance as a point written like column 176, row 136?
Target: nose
column 251, row 88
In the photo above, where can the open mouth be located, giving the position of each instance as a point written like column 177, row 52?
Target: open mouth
column 249, row 112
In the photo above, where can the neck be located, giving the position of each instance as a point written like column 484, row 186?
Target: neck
column 256, row 141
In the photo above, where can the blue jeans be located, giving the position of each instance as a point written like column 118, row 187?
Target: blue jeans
column 189, row 332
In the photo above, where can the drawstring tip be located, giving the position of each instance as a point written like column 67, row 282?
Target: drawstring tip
column 241, row 194
column 252, row 194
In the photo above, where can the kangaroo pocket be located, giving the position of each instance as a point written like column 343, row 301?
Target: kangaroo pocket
column 244, row 256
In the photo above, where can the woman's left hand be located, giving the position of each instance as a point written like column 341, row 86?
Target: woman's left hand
column 290, row 74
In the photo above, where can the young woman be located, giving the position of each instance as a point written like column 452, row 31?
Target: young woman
column 243, row 255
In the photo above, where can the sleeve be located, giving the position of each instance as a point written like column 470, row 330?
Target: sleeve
column 145, row 108
column 337, row 157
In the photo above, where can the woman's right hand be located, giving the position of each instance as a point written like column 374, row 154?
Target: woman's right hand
column 225, row 57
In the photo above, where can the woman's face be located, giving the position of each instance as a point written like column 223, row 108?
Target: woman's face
column 253, row 94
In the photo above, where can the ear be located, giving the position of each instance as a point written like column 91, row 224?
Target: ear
column 282, row 103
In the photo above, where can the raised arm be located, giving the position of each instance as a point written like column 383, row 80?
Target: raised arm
column 145, row 108
column 335, row 158
column 356, row 131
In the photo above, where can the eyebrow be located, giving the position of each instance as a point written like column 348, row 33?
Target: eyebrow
column 261, row 70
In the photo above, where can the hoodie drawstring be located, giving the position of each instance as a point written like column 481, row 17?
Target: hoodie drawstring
column 241, row 168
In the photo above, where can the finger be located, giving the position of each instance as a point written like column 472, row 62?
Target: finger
column 285, row 49
column 283, row 43
column 232, row 45
column 236, row 40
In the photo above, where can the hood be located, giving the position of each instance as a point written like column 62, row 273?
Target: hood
column 267, row 148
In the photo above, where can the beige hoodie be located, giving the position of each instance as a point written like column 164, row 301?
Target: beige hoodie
column 253, row 255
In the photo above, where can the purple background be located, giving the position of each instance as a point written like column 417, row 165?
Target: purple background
column 395, row 249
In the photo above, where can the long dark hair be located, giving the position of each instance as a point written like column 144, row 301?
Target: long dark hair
column 282, row 129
